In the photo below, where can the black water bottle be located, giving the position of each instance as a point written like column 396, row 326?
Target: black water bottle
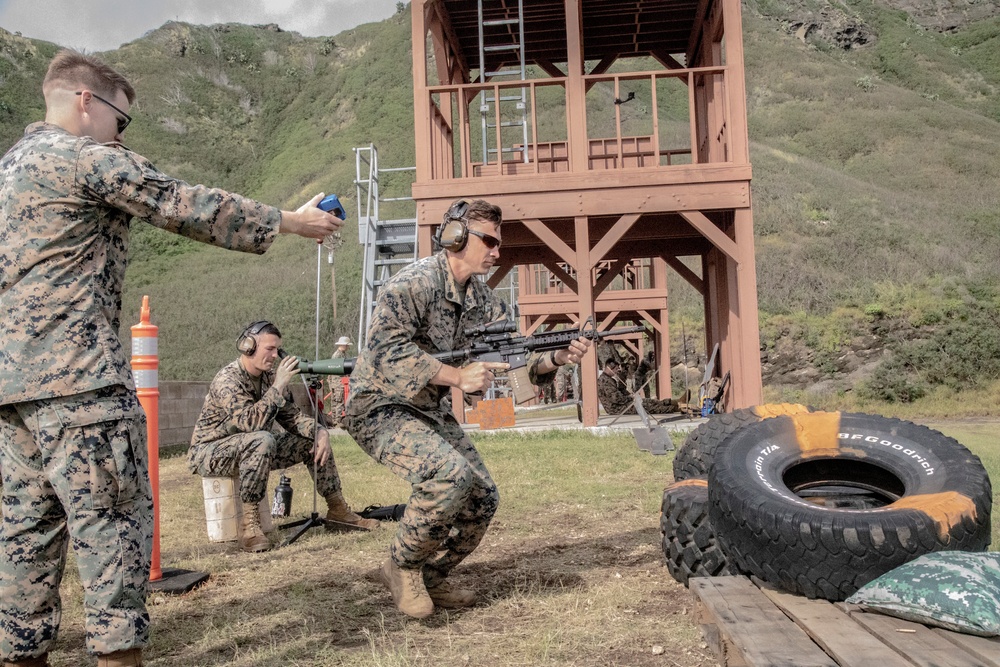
column 282, row 505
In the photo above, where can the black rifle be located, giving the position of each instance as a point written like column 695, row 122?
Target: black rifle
column 384, row 512
column 494, row 342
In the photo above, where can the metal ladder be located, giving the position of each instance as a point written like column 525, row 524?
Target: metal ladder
column 389, row 245
column 501, row 37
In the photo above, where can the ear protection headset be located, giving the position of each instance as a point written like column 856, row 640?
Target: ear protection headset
column 247, row 342
column 453, row 233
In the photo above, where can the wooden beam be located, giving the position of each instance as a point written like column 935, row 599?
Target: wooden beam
column 697, row 32
column 612, row 237
column 613, row 272
column 604, row 65
column 666, row 60
column 576, row 93
column 609, row 321
column 699, row 221
column 687, row 274
column 588, row 365
column 652, row 320
column 421, row 101
column 550, row 69
column 535, row 324
column 567, row 280
column 499, row 275
column 549, row 238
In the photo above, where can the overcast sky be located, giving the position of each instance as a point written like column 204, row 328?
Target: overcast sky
column 100, row 25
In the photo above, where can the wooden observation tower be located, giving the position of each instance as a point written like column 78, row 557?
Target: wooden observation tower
column 614, row 137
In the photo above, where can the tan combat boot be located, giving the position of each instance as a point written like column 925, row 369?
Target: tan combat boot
column 40, row 661
column 339, row 516
column 128, row 658
column 451, row 597
column 407, row 588
column 252, row 538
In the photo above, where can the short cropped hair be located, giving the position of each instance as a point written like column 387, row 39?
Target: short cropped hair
column 483, row 211
column 270, row 329
column 71, row 68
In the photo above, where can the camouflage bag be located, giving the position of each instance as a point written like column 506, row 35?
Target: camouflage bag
column 956, row 590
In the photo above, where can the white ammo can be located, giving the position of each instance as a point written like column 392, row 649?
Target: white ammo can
column 224, row 509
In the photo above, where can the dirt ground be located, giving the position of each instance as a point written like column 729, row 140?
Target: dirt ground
column 570, row 583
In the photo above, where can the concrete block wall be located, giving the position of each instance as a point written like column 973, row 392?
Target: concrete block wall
column 180, row 404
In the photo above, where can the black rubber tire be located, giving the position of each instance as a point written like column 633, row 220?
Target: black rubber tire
column 690, row 548
column 912, row 491
column 694, row 457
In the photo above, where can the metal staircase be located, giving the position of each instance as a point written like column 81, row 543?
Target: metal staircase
column 389, row 245
column 500, row 32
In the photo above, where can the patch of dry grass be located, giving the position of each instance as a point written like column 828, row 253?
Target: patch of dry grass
column 570, row 573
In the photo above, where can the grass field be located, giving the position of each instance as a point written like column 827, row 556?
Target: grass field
column 570, row 572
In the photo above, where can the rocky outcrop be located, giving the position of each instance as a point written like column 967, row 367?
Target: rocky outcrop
column 946, row 15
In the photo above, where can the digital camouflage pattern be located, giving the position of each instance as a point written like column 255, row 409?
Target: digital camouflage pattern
column 237, row 431
column 567, row 382
column 405, row 423
column 420, row 311
column 957, row 590
column 453, row 497
column 75, row 472
column 617, row 400
column 65, row 207
column 73, row 451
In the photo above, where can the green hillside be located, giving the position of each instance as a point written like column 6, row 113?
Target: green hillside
column 875, row 172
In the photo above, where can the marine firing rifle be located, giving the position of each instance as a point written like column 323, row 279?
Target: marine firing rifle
column 494, row 342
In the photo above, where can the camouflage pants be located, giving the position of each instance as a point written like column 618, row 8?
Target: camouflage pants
column 453, row 497
column 255, row 455
column 335, row 388
column 75, row 471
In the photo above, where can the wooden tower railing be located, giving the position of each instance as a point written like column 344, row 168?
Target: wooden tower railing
column 622, row 150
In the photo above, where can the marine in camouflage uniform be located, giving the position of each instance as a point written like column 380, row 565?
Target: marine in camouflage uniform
column 399, row 408
column 336, row 385
column 72, row 433
column 564, row 382
column 249, row 426
column 617, row 400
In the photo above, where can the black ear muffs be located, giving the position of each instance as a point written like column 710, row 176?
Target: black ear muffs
column 247, row 342
column 453, row 233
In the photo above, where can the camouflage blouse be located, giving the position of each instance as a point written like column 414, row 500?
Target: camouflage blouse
column 65, row 207
column 420, row 311
column 613, row 395
column 234, row 405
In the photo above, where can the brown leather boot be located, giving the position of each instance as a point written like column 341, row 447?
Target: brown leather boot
column 252, row 538
column 339, row 516
column 451, row 597
column 131, row 657
column 40, row 661
column 407, row 588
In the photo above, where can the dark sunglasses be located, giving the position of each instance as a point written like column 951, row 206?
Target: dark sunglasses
column 458, row 211
column 122, row 122
column 490, row 241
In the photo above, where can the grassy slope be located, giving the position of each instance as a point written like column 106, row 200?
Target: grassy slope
column 873, row 170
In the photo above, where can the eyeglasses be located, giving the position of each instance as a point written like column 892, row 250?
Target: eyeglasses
column 490, row 241
column 122, row 122
column 458, row 211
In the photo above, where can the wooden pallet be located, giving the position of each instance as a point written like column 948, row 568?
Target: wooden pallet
column 752, row 625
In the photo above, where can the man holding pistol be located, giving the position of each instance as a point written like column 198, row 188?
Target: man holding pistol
column 399, row 408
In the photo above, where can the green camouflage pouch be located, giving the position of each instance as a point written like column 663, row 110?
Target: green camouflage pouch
column 955, row 590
